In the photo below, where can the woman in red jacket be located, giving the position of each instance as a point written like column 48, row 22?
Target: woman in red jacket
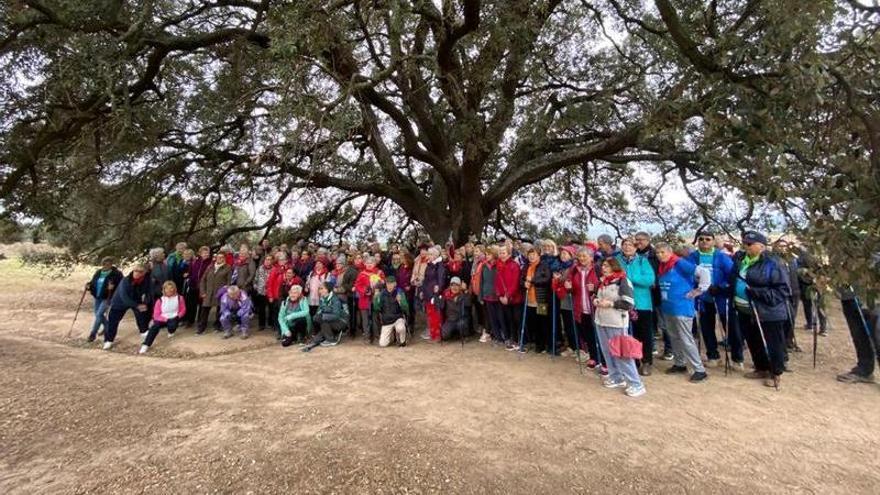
column 364, row 285
column 581, row 285
column 273, row 287
column 507, row 286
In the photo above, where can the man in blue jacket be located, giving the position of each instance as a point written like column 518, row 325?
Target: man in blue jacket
column 134, row 293
column 714, row 301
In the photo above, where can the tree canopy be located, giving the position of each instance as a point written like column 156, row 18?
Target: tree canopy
column 446, row 115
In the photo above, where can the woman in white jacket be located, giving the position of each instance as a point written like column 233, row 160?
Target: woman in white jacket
column 614, row 300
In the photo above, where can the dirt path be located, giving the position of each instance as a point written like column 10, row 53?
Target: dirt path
column 203, row 415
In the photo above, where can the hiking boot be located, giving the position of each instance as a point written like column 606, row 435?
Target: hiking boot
column 757, row 375
column 823, row 333
column 852, row 377
column 667, row 356
column 772, row 382
column 698, row 376
column 646, row 370
column 635, row 391
column 676, row 369
column 91, row 338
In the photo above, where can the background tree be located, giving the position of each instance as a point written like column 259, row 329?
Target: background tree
column 452, row 111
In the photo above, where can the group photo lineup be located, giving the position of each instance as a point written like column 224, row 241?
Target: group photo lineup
column 439, row 246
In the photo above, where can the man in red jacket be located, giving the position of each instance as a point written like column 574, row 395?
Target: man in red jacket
column 510, row 296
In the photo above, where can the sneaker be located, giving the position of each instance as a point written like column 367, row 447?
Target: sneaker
column 226, row 335
column 823, row 333
column 402, row 344
column 667, row 356
column 609, row 383
column 699, row 376
column 713, row 363
column 244, row 335
column 855, row 378
column 511, row 347
column 737, row 366
column 603, row 371
column 107, row 346
column 566, row 353
column 144, row 349
column 757, row 375
column 656, row 352
column 91, row 338
column 522, row 350
column 143, row 336
column 582, row 356
column 485, row 338
column 170, row 335
column 675, row 369
column 426, row 336
column 635, row 391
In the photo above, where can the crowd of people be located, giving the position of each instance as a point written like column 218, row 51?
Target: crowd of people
column 602, row 304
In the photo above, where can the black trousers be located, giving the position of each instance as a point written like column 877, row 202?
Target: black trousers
column 298, row 332
column 191, row 299
column 114, row 316
column 807, row 295
column 865, row 340
column 512, row 316
column 708, row 312
column 771, row 358
column 537, row 329
column 204, row 313
column 156, row 326
column 569, row 328
column 587, row 334
column 643, row 331
column 261, row 309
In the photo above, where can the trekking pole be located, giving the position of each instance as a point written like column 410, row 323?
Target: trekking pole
column 815, row 328
column 726, row 336
column 461, row 327
column 577, row 337
column 522, row 329
column 78, row 307
column 791, row 325
column 553, row 316
column 763, row 339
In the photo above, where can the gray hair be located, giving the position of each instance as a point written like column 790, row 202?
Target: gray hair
column 369, row 260
column 585, row 250
column 296, row 288
column 434, row 250
column 156, row 251
column 664, row 246
column 605, row 238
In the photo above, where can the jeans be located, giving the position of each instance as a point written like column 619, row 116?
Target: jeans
column 619, row 369
column 142, row 318
column 684, row 348
column 101, row 307
column 158, row 325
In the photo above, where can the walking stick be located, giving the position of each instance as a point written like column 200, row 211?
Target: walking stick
column 461, row 312
column 553, row 315
column 726, row 338
column 815, row 328
column 791, row 324
column 577, row 337
column 763, row 339
column 78, row 307
column 522, row 329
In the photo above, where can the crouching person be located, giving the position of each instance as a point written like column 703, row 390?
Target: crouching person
column 331, row 319
column 135, row 292
column 235, row 307
column 391, row 305
column 168, row 312
column 294, row 317
column 455, row 307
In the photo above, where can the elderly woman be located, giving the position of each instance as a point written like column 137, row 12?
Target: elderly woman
column 344, row 276
column 215, row 277
column 483, row 288
column 536, row 280
column 365, row 286
column 235, row 307
column 159, row 271
column 331, row 319
column 614, row 300
column 432, row 288
column 244, row 269
column 641, row 275
column 316, row 279
column 134, row 293
column 192, row 280
column 510, row 296
column 294, row 319
column 581, row 286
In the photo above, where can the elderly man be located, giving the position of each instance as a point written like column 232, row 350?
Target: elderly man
column 391, row 306
column 235, row 307
column 159, row 270
column 455, row 306
column 760, row 295
column 714, row 301
column 135, row 293
column 677, row 278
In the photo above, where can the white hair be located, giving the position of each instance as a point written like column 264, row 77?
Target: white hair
column 156, row 251
column 296, row 288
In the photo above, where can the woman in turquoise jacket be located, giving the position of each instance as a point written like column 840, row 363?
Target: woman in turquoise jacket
column 294, row 318
column 641, row 274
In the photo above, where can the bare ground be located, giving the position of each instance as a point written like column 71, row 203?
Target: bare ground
column 204, row 415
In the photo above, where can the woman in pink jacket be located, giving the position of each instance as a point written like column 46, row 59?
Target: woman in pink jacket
column 167, row 313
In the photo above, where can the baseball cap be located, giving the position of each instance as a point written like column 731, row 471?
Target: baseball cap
column 455, row 281
column 752, row 237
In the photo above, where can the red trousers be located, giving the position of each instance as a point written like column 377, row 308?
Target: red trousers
column 434, row 320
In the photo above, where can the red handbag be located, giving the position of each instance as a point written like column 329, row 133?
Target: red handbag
column 625, row 347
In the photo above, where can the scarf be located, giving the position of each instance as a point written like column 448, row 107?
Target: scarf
column 242, row 261
column 749, row 261
column 611, row 279
column 138, row 280
column 665, row 267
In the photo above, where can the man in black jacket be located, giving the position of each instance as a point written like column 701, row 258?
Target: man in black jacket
column 455, row 306
column 863, row 326
column 135, row 292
